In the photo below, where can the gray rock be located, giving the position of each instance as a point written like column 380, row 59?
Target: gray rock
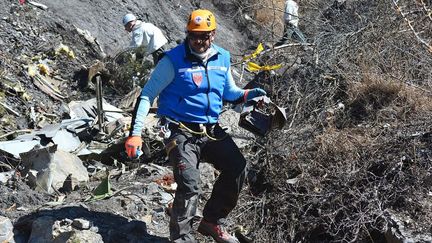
column 6, row 230
column 207, row 173
column 42, row 230
column 81, row 224
column 84, row 236
column 5, row 176
column 53, row 167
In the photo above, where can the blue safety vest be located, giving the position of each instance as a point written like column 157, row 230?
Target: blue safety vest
column 195, row 94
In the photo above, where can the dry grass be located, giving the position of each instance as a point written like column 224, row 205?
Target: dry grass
column 342, row 143
column 419, row 99
column 378, row 95
column 335, row 179
column 372, row 94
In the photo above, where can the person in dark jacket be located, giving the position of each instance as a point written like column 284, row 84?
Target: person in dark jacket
column 192, row 81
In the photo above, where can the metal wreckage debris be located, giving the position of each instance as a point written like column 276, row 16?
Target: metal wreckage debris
column 260, row 115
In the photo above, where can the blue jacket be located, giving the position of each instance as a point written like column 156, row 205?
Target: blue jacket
column 182, row 98
column 195, row 94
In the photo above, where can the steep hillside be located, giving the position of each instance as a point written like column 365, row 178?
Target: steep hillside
column 31, row 35
column 352, row 164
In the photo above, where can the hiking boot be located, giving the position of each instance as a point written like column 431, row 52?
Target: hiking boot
column 217, row 232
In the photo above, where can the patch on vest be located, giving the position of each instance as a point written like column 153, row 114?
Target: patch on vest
column 197, row 78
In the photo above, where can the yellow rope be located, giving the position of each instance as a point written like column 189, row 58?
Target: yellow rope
column 202, row 132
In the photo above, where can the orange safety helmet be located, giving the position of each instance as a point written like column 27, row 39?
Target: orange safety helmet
column 201, row 20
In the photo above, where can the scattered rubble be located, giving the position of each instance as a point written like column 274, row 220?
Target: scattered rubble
column 350, row 163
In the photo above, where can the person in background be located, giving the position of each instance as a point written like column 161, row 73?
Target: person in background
column 145, row 35
column 291, row 19
column 192, row 81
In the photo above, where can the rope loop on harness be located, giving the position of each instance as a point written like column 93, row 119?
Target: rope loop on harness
column 202, row 132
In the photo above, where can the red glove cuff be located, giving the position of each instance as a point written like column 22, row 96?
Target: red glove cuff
column 245, row 95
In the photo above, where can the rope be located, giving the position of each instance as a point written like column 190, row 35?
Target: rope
column 203, row 131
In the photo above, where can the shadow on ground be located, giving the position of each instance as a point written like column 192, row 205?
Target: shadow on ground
column 112, row 228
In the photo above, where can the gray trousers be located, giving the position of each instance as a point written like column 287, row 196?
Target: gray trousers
column 185, row 150
column 292, row 32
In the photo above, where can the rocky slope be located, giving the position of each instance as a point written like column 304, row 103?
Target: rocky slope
column 351, row 165
column 31, row 36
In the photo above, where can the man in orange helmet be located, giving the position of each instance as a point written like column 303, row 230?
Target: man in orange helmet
column 192, row 81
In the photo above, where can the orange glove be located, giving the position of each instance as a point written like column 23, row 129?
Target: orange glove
column 133, row 146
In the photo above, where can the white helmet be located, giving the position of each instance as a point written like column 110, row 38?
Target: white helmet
column 128, row 18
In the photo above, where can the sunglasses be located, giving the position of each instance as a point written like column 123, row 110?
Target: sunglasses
column 201, row 37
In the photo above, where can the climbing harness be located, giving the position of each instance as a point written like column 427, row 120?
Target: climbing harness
column 165, row 132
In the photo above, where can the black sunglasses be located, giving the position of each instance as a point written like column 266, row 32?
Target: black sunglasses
column 202, row 37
